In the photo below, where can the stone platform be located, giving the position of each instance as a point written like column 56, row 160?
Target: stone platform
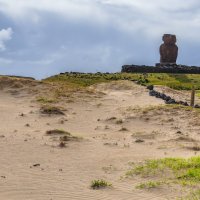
column 169, row 68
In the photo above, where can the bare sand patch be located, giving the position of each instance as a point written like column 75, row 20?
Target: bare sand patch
column 33, row 169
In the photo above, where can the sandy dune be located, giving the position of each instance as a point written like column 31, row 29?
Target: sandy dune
column 34, row 167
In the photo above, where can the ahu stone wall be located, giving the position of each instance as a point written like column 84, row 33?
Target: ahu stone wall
column 169, row 68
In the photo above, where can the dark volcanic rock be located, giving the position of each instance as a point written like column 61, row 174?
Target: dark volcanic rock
column 152, row 93
column 197, row 106
column 164, row 68
column 150, row 87
column 171, row 101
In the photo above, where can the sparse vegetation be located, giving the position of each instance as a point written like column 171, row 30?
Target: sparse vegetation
column 123, row 129
column 149, row 185
column 58, row 132
column 161, row 109
column 98, row 184
column 175, row 81
column 195, row 195
column 46, row 109
column 111, row 118
column 64, row 135
column 119, row 121
column 176, row 169
column 195, row 147
column 45, row 100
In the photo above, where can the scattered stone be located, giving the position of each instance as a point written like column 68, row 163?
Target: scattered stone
column 27, row 125
column 36, row 165
column 152, row 93
column 106, row 127
column 62, row 144
column 3, row 177
column 170, row 101
column 167, row 98
column 150, row 87
column 197, row 106
column 62, row 121
column 139, row 141
column 185, row 104
column 179, row 132
column 111, row 144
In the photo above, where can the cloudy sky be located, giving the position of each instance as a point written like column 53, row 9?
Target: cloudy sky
column 42, row 37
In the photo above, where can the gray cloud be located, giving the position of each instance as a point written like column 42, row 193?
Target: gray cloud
column 94, row 35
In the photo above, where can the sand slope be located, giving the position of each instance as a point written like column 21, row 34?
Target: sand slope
column 104, row 152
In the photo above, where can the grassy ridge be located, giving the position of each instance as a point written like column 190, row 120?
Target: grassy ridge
column 175, row 81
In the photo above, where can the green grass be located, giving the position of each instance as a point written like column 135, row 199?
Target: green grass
column 149, row 185
column 98, row 184
column 181, row 169
column 45, row 100
column 175, row 81
column 84, row 80
column 192, row 196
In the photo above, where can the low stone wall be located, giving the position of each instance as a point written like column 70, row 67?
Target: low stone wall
column 161, row 69
column 166, row 98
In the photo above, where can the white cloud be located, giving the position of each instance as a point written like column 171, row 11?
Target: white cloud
column 76, row 9
column 151, row 18
column 5, row 35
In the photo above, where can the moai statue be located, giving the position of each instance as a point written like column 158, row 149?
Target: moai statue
column 168, row 50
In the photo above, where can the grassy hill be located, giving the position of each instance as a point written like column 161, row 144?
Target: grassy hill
column 175, row 81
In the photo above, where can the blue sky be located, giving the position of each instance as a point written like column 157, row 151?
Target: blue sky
column 40, row 38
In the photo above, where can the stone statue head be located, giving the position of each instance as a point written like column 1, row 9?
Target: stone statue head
column 169, row 39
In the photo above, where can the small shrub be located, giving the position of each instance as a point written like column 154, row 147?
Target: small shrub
column 51, row 110
column 149, row 185
column 57, row 132
column 123, row 129
column 111, row 118
column 64, row 135
column 45, row 100
column 120, row 121
column 195, row 147
column 98, row 184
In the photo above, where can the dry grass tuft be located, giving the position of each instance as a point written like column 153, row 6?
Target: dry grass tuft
column 51, row 110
